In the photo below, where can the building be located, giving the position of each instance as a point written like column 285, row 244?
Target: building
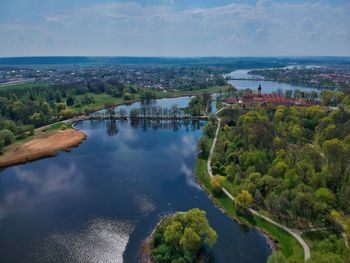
column 253, row 100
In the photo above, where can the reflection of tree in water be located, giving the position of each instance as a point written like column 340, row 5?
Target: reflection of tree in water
column 112, row 128
column 171, row 125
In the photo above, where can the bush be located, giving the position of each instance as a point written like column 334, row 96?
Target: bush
column 7, row 137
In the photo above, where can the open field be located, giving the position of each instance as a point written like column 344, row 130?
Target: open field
column 21, row 86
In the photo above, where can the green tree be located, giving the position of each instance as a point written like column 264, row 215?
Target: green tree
column 243, row 201
column 6, row 137
column 216, row 184
column 203, row 147
column 209, row 129
column 179, row 238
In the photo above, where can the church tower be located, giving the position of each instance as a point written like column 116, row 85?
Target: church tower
column 259, row 89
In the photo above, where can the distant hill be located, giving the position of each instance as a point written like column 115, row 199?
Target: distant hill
column 232, row 62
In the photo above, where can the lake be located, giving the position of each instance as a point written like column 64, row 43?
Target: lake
column 250, row 82
column 99, row 201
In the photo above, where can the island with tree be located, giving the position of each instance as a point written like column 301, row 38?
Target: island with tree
column 183, row 237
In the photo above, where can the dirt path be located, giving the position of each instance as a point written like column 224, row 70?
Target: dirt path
column 293, row 232
column 42, row 145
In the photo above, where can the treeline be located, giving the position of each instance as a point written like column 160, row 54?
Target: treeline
column 23, row 109
column 318, row 77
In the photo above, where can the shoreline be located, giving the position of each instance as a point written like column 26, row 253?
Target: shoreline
column 11, row 157
column 270, row 240
column 41, row 146
column 167, row 96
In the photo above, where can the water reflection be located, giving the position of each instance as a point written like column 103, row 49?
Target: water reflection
column 112, row 128
column 99, row 201
column 23, row 189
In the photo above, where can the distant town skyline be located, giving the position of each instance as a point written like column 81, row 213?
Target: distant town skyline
column 179, row 28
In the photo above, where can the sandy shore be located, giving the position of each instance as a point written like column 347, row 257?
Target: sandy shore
column 42, row 145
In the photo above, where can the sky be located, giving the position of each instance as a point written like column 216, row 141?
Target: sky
column 179, row 28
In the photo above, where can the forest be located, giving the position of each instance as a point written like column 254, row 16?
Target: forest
column 292, row 162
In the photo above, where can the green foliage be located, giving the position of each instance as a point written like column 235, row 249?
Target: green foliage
column 325, row 258
column 209, row 129
column 276, row 257
column 203, row 147
column 302, row 156
column 216, row 184
column 243, row 201
column 6, row 137
column 199, row 104
column 180, row 237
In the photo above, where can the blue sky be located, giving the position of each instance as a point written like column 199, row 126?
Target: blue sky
column 174, row 27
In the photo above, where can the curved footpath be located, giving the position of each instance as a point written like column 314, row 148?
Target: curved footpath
column 295, row 233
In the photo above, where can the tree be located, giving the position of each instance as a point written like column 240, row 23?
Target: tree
column 276, row 257
column 6, row 137
column 243, row 201
column 180, row 237
column 38, row 119
column 203, row 147
column 70, row 101
column 110, row 109
column 209, row 129
column 216, row 184
column 134, row 113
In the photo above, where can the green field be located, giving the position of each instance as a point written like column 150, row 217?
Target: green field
column 22, row 86
column 57, row 126
column 285, row 242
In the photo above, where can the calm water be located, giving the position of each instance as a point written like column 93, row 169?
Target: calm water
column 267, row 86
column 99, row 201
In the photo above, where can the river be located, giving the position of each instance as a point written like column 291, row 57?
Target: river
column 250, row 82
column 99, row 201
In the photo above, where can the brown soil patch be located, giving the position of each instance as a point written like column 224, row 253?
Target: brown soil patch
column 42, row 146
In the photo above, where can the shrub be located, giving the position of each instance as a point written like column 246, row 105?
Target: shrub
column 7, row 137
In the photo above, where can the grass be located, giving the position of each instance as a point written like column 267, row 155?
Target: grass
column 57, row 126
column 285, row 242
column 100, row 101
column 22, row 86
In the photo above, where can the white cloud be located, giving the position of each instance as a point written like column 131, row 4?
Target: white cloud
column 266, row 28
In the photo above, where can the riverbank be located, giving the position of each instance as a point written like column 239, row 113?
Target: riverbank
column 44, row 143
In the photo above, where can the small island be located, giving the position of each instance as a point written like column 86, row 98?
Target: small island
column 184, row 237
